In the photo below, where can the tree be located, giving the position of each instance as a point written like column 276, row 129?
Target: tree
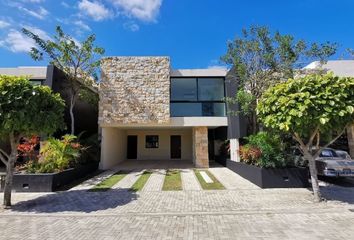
column 307, row 107
column 80, row 62
column 25, row 109
column 261, row 59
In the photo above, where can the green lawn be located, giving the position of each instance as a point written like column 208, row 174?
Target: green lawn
column 216, row 185
column 109, row 182
column 173, row 181
column 140, row 183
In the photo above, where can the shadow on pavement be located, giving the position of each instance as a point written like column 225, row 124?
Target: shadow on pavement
column 76, row 201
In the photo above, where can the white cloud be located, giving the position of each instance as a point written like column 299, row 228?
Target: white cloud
column 33, row 1
column 40, row 14
column 16, row 41
column 145, row 10
column 96, row 10
column 4, row 24
column 217, row 67
column 131, row 26
column 64, row 4
column 82, row 25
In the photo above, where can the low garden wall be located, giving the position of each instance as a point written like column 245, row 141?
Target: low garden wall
column 271, row 178
column 48, row 182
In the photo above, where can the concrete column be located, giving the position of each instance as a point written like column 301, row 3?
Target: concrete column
column 234, row 150
column 350, row 136
column 113, row 147
column 200, row 147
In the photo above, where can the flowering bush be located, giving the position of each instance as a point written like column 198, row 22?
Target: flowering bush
column 250, row 154
column 28, row 148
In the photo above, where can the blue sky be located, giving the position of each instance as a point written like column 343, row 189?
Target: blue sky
column 192, row 32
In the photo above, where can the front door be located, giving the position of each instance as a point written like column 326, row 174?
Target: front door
column 175, row 147
column 132, row 147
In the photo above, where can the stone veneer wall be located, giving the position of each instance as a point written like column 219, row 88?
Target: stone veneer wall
column 200, row 147
column 134, row 90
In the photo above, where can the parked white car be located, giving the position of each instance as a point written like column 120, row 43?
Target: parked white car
column 334, row 163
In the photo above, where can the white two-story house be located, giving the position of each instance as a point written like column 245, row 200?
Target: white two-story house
column 148, row 111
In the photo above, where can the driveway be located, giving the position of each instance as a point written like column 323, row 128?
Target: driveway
column 242, row 211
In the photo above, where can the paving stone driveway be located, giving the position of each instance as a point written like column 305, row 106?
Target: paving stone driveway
column 242, row 211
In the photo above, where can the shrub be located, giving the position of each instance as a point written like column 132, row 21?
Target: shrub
column 250, row 154
column 56, row 155
column 263, row 150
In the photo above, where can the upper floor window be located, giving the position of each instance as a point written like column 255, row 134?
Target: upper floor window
column 202, row 96
column 210, row 89
column 184, row 89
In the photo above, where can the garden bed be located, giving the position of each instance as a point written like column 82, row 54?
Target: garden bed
column 49, row 182
column 271, row 178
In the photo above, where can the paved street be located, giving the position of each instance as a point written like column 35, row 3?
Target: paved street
column 242, row 211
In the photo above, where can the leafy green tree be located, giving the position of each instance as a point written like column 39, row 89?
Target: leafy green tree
column 80, row 62
column 25, row 109
column 261, row 59
column 307, row 107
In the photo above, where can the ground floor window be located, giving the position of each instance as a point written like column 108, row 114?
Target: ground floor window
column 151, row 141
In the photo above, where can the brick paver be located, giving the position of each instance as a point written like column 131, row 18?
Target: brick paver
column 155, row 181
column 90, row 183
column 230, row 180
column 240, row 213
column 128, row 180
column 189, row 180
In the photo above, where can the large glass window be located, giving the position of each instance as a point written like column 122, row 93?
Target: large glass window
column 191, row 109
column 210, row 89
column 197, row 97
column 184, row 89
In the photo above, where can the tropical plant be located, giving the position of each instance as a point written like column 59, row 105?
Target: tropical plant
column 263, row 150
column 25, row 109
column 79, row 61
column 307, row 107
column 260, row 59
column 57, row 155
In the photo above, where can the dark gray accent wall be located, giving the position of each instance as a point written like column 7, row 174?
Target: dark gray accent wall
column 237, row 124
column 86, row 115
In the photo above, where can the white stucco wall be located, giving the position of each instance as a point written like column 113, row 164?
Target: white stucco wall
column 163, row 152
column 113, row 147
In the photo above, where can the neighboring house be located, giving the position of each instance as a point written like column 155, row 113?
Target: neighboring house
column 148, row 111
column 342, row 68
column 85, row 114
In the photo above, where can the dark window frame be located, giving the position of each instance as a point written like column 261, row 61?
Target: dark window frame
column 199, row 101
column 151, row 141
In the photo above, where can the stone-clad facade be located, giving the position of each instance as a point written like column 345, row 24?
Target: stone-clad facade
column 134, row 90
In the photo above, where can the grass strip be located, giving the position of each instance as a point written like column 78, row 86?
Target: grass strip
column 173, row 181
column 140, row 183
column 216, row 185
column 108, row 182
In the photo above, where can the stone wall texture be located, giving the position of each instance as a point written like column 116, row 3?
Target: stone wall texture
column 134, row 90
column 200, row 147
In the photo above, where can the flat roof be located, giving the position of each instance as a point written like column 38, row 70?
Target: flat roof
column 34, row 72
column 208, row 72
column 342, row 68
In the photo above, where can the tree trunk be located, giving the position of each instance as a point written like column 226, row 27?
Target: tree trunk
column 71, row 110
column 313, row 173
column 10, row 171
column 350, row 136
column 254, row 123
